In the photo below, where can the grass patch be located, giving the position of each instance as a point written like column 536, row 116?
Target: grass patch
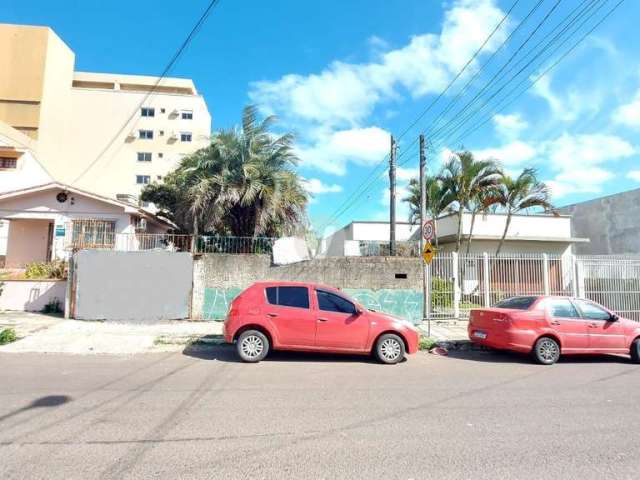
column 199, row 340
column 426, row 343
column 7, row 335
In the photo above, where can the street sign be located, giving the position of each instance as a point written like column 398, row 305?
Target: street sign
column 428, row 252
column 428, row 230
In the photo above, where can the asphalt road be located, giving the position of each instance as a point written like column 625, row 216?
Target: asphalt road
column 201, row 414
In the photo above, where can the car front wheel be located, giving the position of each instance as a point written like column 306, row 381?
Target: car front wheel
column 546, row 351
column 252, row 346
column 390, row 348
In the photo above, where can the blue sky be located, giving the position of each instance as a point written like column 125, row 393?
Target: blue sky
column 343, row 75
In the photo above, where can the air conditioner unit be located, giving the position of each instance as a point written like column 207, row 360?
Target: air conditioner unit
column 173, row 136
column 175, row 111
column 132, row 134
column 127, row 198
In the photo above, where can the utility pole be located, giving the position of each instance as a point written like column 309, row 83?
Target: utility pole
column 392, row 198
column 423, row 217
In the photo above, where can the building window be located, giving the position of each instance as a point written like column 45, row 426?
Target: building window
column 186, row 114
column 185, row 137
column 92, row 233
column 8, row 162
column 143, row 179
column 145, row 134
column 144, row 156
column 147, row 112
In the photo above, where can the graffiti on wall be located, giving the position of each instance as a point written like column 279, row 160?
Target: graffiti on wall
column 404, row 303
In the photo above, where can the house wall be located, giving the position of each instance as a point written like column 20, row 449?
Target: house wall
column 521, row 225
column 510, row 247
column 612, row 223
column 27, row 242
column 143, row 286
column 379, row 231
column 32, row 295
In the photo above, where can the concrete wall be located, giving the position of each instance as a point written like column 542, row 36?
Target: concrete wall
column 131, row 286
column 27, row 242
column 612, row 223
column 218, row 279
column 31, row 295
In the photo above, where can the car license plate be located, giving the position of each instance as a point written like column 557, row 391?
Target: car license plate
column 481, row 335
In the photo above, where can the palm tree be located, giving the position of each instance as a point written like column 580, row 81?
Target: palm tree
column 465, row 177
column 241, row 184
column 481, row 203
column 518, row 194
column 438, row 200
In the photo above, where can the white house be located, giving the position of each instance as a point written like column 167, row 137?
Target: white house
column 535, row 233
column 46, row 222
column 527, row 234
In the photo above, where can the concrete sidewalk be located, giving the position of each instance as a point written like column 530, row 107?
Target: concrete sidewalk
column 39, row 333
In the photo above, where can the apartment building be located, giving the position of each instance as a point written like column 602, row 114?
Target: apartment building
column 109, row 134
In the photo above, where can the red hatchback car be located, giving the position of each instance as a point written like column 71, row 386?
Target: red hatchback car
column 314, row 318
column 549, row 326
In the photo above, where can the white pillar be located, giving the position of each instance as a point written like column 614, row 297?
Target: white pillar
column 455, row 264
column 487, row 279
column 574, row 273
column 545, row 273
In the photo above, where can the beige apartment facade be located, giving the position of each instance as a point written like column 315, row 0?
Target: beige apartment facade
column 110, row 134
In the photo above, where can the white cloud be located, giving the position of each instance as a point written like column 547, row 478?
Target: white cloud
column 574, row 152
column 406, row 174
column 332, row 106
column 634, row 175
column 316, row 186
column 588, row 180
column 569, row 105
column 331, row 152
column 629, row 114
column 514, row 153
column 509, row 126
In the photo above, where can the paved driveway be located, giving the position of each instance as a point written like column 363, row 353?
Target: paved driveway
column 200, row 414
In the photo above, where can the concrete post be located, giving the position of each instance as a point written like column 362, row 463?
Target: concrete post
column 545, row 273
column 574, row 279
column 580, row 290
column 456, row 284
column 487, row 279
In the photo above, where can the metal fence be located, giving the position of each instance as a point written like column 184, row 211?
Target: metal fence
column 129, row 242
column 460, row 283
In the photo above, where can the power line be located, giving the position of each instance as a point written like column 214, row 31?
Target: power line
column 459, row 122
column 545, row 72
column 194, row 31
column 374, row 171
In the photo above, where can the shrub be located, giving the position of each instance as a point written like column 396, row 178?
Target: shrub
column 45, row 270
column 7, row 335
column 441, row 292
column 426, row 343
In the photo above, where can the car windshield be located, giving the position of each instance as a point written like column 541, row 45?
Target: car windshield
column 517, row 303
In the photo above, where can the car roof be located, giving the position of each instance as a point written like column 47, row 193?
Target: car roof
column 286, row 283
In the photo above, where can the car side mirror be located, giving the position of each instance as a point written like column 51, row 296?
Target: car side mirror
column 614, row 318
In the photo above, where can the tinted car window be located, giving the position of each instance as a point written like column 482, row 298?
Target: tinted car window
column 517, row 303
column 563, row 308
column 288, row 296
column 593, row 312
column 330, row 302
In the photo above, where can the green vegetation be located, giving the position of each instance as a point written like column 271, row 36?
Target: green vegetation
column 243, row 184
column 477, row 186
column 46, row 270
column 7, row 335
column 426, row 343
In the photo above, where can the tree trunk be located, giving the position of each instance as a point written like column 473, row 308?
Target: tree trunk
column 473, row 221
column 194, row 238
column 435, row 230
column 504, row 234
column 459, row 239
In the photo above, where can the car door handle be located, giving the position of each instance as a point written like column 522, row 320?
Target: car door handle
column 322, row 319
column 272, row 315
column 593, row 325
column 555, row 322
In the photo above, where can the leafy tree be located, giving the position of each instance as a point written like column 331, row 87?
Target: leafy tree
column 467, row 179
column 518, row 194
column 439, row 200
column 242, row 184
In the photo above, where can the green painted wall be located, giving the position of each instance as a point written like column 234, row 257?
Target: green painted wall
column 404, row 303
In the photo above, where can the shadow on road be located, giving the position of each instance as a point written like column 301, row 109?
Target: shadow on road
column 42, row 402
column 227, row 353
column 504, row 356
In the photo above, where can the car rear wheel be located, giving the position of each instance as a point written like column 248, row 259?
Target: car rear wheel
column 390, row 348
column 252, row 346
column 546, row 351
column 635, row 351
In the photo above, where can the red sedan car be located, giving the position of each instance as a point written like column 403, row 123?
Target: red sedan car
column 314, row 318
column 547, row 327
